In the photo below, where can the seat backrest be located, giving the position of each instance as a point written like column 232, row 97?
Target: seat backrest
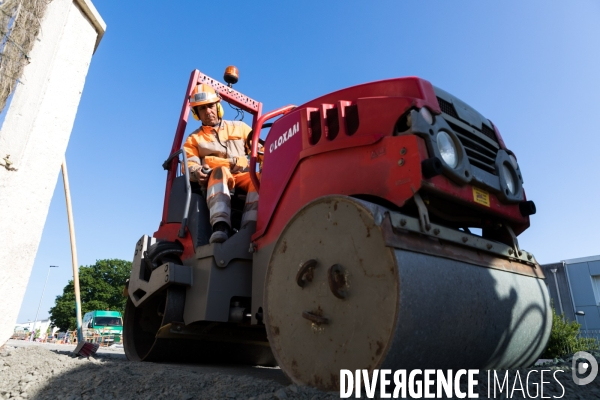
column 198, row 215
column 177, row 199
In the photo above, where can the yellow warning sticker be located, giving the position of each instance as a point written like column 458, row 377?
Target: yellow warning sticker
column 481, row 196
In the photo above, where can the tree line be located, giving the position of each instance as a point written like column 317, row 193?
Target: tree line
column 101, row 288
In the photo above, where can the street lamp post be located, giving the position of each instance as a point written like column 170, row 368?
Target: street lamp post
column 43, row 290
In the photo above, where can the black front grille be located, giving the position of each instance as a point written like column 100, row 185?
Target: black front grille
column 489, row 132
column 480, row 153
column 447, row 107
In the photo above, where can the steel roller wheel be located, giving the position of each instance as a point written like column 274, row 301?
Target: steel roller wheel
column 142, row 324
column 337, row 296
column 155, row 331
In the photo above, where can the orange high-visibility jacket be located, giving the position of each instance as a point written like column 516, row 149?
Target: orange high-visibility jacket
column 202, row 146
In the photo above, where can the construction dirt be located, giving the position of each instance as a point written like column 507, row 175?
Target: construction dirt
column 43, row 372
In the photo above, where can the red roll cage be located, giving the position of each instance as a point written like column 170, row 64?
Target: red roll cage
column 234, row 98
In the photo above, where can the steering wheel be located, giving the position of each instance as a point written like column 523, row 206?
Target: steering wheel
column 260, row 141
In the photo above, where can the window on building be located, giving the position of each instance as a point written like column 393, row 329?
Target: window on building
column 596, row 286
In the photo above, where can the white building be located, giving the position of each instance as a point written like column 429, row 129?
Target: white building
column 42, row 325
column 35, row 134
column 28, row 327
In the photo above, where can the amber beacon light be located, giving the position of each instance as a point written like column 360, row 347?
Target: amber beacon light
column 231, row 75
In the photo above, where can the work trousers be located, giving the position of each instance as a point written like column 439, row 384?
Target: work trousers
column 218, row 196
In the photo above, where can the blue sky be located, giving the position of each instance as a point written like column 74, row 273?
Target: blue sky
column 531, row 67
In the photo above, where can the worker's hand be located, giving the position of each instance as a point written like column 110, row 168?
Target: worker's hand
column 238, row 164
column 201, row 177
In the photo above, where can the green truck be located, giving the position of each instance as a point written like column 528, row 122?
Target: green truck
column 104, row 327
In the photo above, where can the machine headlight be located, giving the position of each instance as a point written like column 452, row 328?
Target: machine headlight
column 426, row 115
column 513, row 161
column 510, row 180
column 447, row 149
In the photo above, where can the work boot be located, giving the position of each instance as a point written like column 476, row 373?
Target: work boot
column 220, row 233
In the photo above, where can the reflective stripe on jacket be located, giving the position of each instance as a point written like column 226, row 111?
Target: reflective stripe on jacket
column 202, row 146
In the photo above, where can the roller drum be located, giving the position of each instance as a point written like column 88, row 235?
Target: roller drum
column 338, row 296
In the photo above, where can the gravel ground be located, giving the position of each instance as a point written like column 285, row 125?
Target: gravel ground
column 35, row 372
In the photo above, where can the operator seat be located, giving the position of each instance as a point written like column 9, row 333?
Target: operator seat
column 198, row 215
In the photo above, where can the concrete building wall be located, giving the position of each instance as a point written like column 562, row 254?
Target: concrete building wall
column 561, row 298
column 579, row 286
column 581, row 273
column 35, row 134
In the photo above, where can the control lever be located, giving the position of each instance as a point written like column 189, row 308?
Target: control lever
column 206, row 171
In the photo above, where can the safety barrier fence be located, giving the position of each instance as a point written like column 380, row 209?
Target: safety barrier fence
column 102, row 338
column 591, row 337
column 587, row 340
column 590, row 333
column 69, row 338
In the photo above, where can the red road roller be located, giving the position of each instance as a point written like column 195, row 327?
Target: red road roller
column 386, row 237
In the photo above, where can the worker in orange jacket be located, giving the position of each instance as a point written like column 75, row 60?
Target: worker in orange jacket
column 219, row 145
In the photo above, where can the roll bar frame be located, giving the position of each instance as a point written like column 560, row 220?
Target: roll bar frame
column 234, row 98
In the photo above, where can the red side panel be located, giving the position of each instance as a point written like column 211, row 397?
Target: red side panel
column 282, row 153
column 373, row 168
column 379, row 104
column 416, row 88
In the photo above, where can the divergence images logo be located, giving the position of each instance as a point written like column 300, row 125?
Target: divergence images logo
column 582, row 368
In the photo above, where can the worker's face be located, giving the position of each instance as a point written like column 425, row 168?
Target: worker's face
column 208, row 114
